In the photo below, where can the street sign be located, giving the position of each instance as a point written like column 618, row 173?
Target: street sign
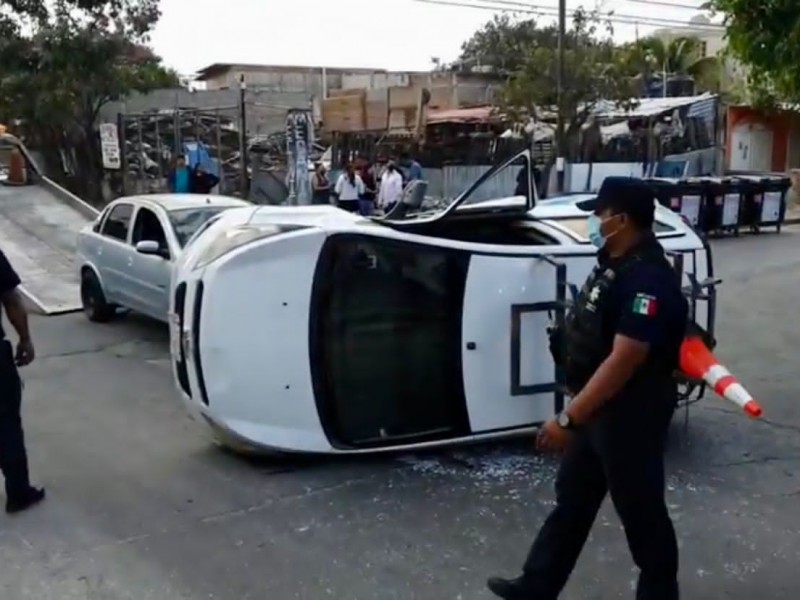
column 109, row 146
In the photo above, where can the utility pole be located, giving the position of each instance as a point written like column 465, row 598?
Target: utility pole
column 245, row 183
column 560, row 141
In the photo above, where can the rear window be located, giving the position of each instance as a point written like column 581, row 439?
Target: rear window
column 579, row 226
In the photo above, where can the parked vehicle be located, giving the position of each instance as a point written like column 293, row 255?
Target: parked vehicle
column 310, row 329
column 126, row 255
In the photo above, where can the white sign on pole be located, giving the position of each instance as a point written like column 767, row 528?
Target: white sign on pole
column 109, row 146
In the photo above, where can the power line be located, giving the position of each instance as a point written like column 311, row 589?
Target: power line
column 551, row 11
column 678, row 5
column 516, row 6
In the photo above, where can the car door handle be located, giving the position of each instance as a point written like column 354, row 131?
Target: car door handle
column 130, row 262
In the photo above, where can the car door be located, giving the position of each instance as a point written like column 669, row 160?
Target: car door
column 113, row 252
column 510, row 300
column 151, row 272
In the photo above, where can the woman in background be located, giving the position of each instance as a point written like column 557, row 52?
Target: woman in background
column 321, row 186
column 349, row 189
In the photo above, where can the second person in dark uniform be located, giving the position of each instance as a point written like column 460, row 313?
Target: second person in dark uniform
column 20, row 495
column 622, row 341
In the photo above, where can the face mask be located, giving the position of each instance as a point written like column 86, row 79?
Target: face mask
column 595, row 234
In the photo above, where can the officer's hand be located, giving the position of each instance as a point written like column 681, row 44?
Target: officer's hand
column 25, row 353
column 553, row 438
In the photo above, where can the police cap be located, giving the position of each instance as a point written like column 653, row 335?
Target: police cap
column 628, row 195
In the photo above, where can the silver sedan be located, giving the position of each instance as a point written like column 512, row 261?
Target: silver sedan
column 126, row 255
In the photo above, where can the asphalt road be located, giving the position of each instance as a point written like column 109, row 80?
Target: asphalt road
column 142, row 507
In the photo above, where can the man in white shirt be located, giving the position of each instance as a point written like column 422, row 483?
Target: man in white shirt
column 391, row 188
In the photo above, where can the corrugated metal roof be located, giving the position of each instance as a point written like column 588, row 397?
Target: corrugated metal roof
column 649, row 107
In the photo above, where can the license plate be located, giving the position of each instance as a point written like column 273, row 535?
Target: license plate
column 175, row 336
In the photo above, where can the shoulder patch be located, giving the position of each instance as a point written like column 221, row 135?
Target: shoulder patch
column 644, row 304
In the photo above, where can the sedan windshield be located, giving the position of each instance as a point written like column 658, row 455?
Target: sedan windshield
column 186, row 221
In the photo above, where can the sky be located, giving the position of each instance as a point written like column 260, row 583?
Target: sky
column 387, row 34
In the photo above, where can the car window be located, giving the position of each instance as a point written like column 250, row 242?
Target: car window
column 580, row 227
column 202, row 228
column 118, row 222
column 147, row 227
column 186, row 221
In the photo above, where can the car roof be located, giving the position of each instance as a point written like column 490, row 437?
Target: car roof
column 170, row 202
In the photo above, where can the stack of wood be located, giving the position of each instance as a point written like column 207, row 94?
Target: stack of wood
column 394, row 110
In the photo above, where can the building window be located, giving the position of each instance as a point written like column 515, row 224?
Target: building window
column 703, row 49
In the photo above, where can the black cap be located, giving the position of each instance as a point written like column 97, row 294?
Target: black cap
column 628, row 195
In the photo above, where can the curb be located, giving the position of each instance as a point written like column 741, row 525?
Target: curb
column 792, row 221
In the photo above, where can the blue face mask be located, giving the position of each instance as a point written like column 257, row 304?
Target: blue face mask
column 596, row 236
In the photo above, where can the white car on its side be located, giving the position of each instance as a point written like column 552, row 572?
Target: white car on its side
column 310, row 329
column 126, row 255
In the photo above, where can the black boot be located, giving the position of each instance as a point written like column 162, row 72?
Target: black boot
column 511, row 589
column 31, row 498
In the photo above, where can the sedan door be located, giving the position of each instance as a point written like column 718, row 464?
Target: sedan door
column 113, row 253
column 150, row 273
column 510, row 378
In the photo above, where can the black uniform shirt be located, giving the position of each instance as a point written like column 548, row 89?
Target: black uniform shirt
column 647, row 305
column 9, row 280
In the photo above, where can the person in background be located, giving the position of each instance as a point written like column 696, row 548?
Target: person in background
column 320, row 186
column 179, row 178
column 202, row 182
column 380, row 167
column 349, row 189
column 367, row 174
column 413, row 168
column 391, row 188
column 20, row 494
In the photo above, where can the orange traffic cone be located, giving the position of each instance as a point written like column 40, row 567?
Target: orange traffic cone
column 698, row 362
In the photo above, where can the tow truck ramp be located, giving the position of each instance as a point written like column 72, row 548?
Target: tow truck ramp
column 39, row 224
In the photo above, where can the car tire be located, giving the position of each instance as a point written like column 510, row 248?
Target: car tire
column 93, row 300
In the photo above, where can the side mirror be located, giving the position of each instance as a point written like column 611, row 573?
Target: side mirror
column 152, row 248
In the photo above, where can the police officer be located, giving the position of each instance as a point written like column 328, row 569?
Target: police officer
column 622, row 340
column 20, row 495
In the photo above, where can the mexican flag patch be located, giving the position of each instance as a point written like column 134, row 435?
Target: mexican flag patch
column 644, row 305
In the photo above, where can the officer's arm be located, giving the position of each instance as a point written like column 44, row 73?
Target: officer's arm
column 11, row 299
column 641, row 322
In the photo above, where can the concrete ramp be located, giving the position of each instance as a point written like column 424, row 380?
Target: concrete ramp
column 38, row 232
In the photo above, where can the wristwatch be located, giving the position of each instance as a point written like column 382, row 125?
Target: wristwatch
column 564, row 421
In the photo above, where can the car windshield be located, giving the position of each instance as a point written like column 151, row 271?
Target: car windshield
column 508, row 187
column 186, row 221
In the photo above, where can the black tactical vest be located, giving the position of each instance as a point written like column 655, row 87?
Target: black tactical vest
column 588, row 342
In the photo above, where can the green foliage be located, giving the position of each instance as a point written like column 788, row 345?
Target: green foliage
column 78, row 56
column 591, row 74
column 765, row 37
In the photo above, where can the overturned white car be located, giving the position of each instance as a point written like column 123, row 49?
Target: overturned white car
column 310, row 329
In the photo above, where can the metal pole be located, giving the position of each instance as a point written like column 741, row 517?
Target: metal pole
column 142, row 156
column 560, row 141
column 223, row 185
column 243, row 135
column 159, row 153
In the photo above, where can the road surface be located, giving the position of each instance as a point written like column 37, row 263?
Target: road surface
column 141, row 507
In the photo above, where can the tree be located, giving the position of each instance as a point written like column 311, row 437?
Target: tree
column 80, row 55
column 765, row 37
column 503, row 43
column 592, row 78
column 682, row 56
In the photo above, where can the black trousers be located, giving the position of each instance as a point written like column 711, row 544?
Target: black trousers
column 13, row 458
column 623, row 456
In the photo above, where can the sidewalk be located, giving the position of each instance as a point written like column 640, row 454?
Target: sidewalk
column 792, row 215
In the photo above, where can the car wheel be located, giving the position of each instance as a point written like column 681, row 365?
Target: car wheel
column 93, row 300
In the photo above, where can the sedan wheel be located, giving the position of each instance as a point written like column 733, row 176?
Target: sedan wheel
column 94, row 302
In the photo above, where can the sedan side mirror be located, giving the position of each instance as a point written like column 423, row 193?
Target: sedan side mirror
column 152, row 248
